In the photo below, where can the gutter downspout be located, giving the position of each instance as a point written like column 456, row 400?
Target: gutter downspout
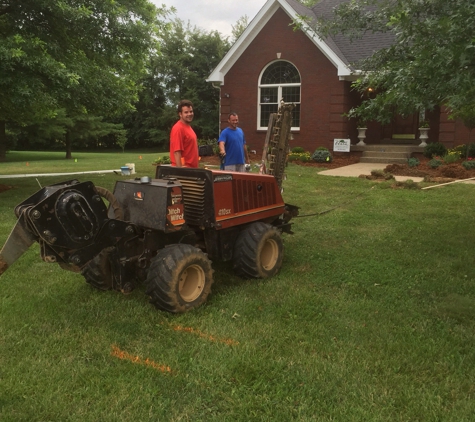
column 219, row 107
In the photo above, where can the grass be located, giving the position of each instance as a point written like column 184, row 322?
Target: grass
column 27, row 162
column 371, row 318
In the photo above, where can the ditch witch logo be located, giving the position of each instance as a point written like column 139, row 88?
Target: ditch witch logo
column 176, row 215
column 223, row 178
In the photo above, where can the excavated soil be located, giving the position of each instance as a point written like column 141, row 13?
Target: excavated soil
column 444, row 173
column 4, row 188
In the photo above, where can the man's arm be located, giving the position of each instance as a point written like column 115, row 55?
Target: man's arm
column 222, row 150
column 177, row 155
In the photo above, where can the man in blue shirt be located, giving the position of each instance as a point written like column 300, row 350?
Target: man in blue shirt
column 232, row 146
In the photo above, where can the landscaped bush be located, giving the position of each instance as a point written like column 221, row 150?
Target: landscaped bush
column 452, row 156
column 435, row 162
column 435, row 148
column 212, row 142
column 322, row 156
column 163, row 160
column 466, row 150
column 321, row 149
column 297, row 150
column 413, row 162
column 469, row 165
column 299, row 156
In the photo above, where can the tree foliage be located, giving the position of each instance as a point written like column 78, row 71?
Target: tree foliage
column 239, row 27
column 81, row 56
column 432, row 60
column 186, row 57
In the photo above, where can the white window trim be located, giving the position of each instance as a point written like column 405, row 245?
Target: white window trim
column 279, row 94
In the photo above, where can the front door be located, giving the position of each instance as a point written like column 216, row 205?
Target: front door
column 402, row 127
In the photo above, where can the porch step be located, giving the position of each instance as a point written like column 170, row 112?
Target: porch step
column 383, row 159
column 386, row 154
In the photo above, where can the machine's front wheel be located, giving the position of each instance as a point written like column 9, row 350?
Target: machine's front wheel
column 258, row 252
column 179, row 278
column 97, row 271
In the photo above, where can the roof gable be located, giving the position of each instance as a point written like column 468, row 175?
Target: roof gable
column 338, row 49
column 258, row 23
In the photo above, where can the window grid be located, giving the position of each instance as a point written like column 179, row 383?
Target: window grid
column 280, row 80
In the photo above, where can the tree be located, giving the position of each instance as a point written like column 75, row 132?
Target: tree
column 81, row 56
column 432, row 60
column 186, row 57
column 239, row 27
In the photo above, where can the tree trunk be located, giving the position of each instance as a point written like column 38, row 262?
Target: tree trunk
column 3, row 141
column 68, row 146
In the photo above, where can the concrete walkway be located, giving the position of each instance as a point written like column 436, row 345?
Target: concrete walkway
column 355, row 170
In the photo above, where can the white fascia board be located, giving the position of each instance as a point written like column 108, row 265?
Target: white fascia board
column 253, row 29
column 238, row 48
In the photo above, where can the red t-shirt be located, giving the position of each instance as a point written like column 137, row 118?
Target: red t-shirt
column 183, row 138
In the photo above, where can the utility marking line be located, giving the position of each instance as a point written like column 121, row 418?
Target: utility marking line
column 116, row 352
column 228, row 341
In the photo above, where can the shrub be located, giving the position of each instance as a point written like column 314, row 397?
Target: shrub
column 298, row 150
column 322, row 149
column 469, row 165
column 322, row 156
column 434, row 163
column 163, row 160
column 452, row 156
column 434, row 148
column 299, row 156
column 413, row 162
column 466, row 150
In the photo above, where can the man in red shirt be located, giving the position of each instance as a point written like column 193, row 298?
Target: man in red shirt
column 183, row 141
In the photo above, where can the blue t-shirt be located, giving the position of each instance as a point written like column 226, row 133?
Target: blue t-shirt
column 233, row 145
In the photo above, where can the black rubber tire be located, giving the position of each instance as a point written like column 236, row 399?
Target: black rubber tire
column 179, row 278
column 258, row 251
column 106, row 194
column 97, row 271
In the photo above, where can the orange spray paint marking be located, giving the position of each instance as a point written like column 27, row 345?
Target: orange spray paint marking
column 228, row 341
column 116, row 352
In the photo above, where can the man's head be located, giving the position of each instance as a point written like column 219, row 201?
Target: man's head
column 185, row 111
column 233, row 120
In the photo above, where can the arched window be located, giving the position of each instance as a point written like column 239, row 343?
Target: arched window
column 279, row 80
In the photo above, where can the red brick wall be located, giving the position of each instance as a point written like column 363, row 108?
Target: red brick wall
column 453, row 132
column 323, row 96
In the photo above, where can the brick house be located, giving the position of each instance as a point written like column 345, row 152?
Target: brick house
column 271, row 61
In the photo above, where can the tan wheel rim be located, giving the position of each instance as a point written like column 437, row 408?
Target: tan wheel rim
column 269, row 254
column 191, row 283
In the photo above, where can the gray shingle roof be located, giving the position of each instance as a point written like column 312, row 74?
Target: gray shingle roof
column 349, row 52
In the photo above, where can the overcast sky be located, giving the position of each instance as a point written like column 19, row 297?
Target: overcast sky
column 211, row 15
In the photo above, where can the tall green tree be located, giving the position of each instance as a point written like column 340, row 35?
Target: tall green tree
column 83, row 56
column 432, row 59
column 239, row 27
column 186, row 57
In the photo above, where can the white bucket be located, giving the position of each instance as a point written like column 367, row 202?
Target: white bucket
column 131, row 166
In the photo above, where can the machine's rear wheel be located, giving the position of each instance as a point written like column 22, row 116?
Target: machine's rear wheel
column 179, row 278
column 258, row 251
column 97, row 271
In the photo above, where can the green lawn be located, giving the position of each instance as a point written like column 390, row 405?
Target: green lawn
column 371, row 318
column 27, row 162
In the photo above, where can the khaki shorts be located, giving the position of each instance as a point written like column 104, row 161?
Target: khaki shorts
column 236, row 167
